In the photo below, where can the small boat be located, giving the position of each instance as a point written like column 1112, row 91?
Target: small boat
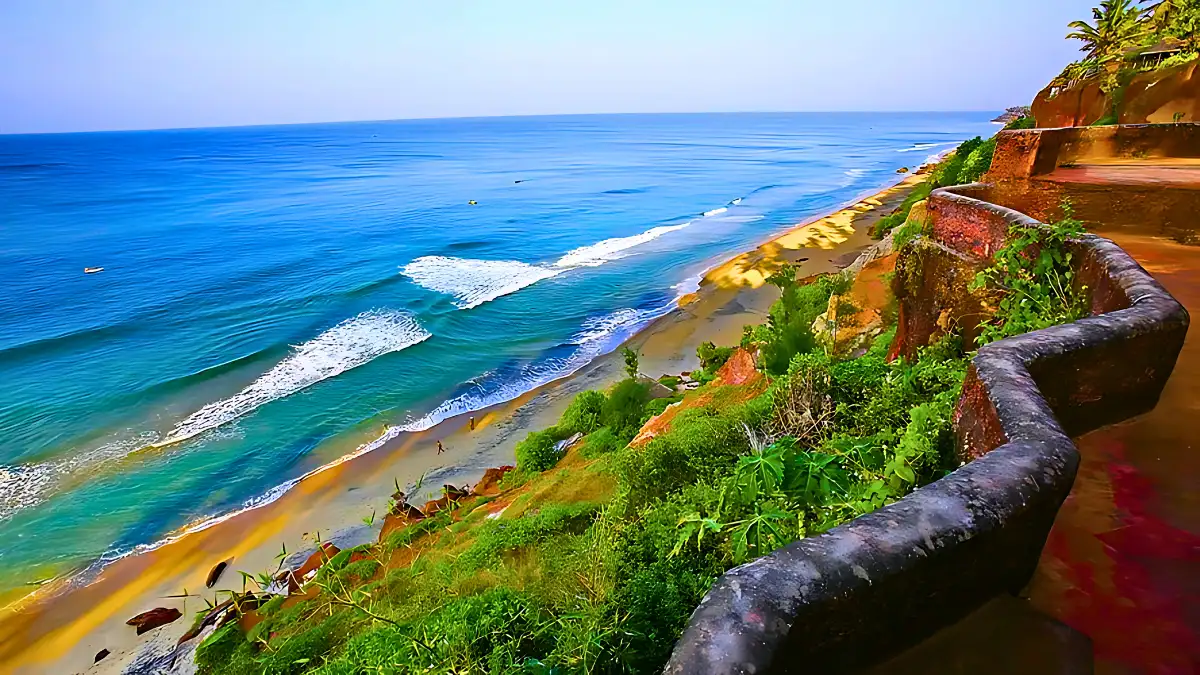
column 92, row 270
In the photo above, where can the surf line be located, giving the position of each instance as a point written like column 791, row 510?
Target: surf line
column 350, row 344
column 472, row 282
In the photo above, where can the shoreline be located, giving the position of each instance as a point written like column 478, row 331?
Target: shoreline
column 62, row 628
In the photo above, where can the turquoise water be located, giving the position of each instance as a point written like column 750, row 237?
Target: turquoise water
column 273, row 297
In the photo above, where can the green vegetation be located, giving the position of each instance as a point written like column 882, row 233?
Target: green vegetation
column 584, row 414
column 592, row 560
column 631, row 361
column 537, row 451
column 1025, row 122
column 1117, row 34
column 788, row 330
column 889, row 222
column 1032, row 274
column 967, row 164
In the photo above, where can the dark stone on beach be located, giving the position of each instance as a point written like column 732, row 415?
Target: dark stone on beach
column 210, row 618
column 100, row 655
column 319, row 557
column 159, row 616
column 903, row 169
column 406, row 511
column 450, row 494
column 490, row 483
column 215, row 574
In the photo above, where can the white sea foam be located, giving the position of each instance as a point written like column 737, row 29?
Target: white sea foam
column 474, row 282
column 597, row 336
column 716, row 211
column 612, row 249
column 349, row 344
column 26, row 485
column 922, row 146
column 856, row 173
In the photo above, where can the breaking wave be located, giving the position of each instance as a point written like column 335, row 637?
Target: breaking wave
column 349, row 344
column 474, row 282
column 612, row 249
column 597, row 336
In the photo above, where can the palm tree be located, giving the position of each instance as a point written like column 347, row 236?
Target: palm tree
column 1118, row 24
column 1176, row 18
column 1161, row 12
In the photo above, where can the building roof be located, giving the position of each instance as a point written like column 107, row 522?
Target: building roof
column 1167, row 46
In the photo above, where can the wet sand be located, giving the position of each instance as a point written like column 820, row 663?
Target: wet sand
column 60, row 629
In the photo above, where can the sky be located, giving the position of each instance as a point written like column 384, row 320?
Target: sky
column 84, row 65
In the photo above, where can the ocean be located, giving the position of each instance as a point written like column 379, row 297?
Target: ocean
column 276, row 298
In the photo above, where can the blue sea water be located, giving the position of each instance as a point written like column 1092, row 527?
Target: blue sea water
column 269, row 292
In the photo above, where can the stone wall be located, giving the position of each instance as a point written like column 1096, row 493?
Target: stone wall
column 1037, row 152
column 886, row 580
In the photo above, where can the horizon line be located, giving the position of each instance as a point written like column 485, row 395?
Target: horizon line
column 487, row 117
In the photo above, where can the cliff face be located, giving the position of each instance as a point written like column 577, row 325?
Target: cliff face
column 1153, row 97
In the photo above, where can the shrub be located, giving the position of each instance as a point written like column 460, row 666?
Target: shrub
column 789, row 329
column 536, row 452
column 631, row 361
column 600, row 442
column 713, row 357
column 622, row 411
column 658, row 406
column 886, row 224
column 702, row 444
column 498, row 536
column 978, row 162
column 583, row 415
column 1034, row 275
column 1025, row 122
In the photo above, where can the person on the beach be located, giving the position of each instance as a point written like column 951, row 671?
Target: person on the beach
column 472, row 423
column 440, row 448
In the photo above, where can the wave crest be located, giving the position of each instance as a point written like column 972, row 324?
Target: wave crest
column 347, row 345
column 474, row 282
column 612, row 249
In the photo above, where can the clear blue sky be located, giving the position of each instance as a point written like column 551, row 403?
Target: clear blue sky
column 138, row 64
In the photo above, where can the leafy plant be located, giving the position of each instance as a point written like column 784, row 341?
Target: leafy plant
column 1034, row 276
column 622, row 410
column 712, row 357
column 537, row 451
column 631, row 361
column 788, row 330
column 1116, row 26
column 582, row 416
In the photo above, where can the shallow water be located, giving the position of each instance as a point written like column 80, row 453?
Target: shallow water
column 274, row 297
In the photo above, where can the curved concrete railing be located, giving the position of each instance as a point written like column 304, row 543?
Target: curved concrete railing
column 888, row 579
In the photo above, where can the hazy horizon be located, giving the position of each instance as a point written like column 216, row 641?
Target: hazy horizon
column 491, row 117
column 138, row 65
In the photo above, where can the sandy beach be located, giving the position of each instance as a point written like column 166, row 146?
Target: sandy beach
column 60, row 629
